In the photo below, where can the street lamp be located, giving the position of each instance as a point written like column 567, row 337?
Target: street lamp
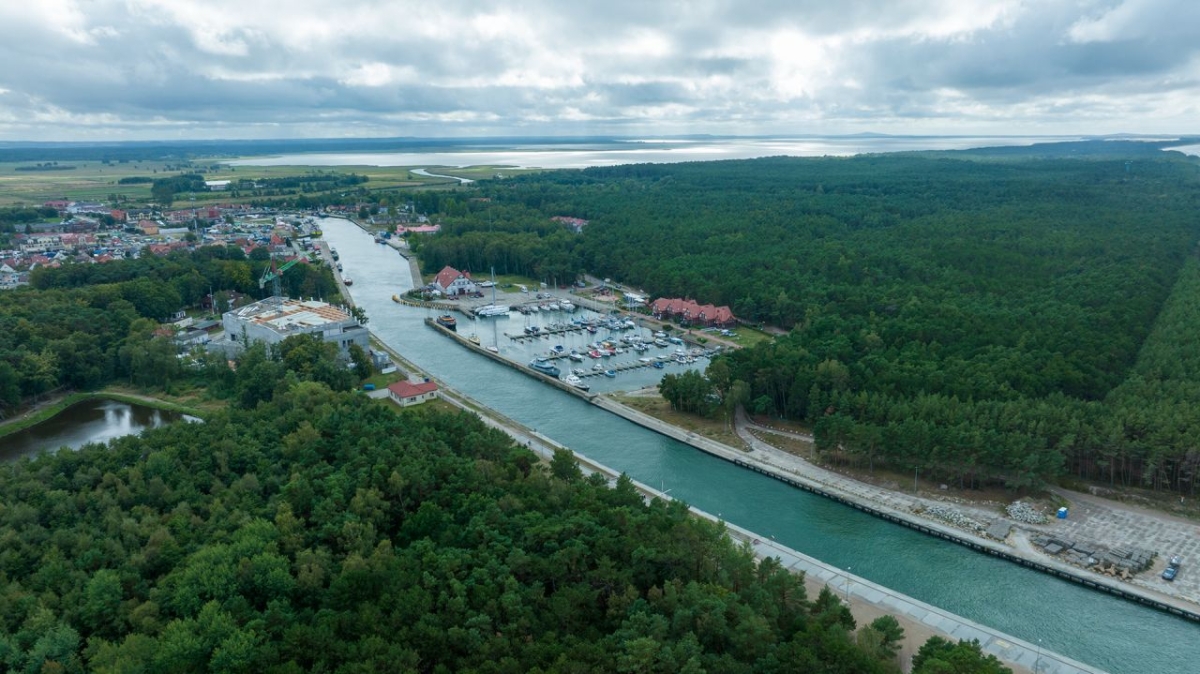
column 1037, row 666
column 847, row 588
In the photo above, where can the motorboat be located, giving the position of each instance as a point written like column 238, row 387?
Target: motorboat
column 447, row 321
column 489, row 310
column 545, row 367
column 578, row 383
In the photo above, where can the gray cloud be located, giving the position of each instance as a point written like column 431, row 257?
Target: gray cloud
column 141, row 68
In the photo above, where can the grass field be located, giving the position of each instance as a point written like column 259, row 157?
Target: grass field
column 88, row 181
column 97, row 181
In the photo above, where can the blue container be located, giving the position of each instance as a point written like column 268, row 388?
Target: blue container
column 1062, row 513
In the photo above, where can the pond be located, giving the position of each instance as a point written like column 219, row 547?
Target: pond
column 95, row 420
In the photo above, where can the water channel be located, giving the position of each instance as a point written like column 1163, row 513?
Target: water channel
column 1109, row 633
column 94, row 420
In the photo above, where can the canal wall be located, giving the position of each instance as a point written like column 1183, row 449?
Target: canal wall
column 520, row 367
column 855, row 589
column 902, row 518
column 979, row 544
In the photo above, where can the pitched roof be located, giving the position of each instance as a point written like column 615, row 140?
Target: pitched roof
column 690, row 309
column 449, row 275
column 404, row 389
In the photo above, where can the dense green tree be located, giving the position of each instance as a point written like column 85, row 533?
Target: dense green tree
column 972, row 314
column 940, row 656
column 323, row 531
column 362, row 362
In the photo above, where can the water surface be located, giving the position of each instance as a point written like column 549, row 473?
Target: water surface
column 95, row 420
column 655, row 151
column 1109, row 633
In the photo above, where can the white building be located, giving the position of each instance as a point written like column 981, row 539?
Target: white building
column 452, row 282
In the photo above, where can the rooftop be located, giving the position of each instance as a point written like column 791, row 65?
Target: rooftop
column 292, row 314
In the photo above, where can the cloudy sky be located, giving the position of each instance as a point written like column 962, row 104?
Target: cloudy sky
column 150, row 69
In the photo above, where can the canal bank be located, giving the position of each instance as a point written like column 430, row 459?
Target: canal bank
column 865, row 598
column 845, row 491
column 1091, row 627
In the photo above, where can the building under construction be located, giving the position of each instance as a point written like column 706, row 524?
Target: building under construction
column 275, row 319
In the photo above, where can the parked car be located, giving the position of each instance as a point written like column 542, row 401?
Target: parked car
column 1172, row 569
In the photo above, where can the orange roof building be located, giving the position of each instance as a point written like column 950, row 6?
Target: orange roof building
column 688, row 311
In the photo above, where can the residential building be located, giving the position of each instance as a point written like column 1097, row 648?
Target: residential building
column 452, row 282
column 406, row 394
column 692, row 313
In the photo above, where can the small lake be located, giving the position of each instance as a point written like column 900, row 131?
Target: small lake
column 95, row 420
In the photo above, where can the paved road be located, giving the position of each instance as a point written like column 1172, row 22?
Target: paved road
column 1092, row 519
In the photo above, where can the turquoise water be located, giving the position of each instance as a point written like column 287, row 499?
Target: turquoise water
column 1091, row 627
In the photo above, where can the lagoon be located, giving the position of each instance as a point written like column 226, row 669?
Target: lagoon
column 648, row 150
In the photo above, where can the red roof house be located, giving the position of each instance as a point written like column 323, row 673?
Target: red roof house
column 406, row 394
column 453, row 282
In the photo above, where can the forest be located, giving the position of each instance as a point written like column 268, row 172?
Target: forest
column 979, row 315
column 317, row 531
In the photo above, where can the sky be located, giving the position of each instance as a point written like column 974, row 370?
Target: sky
column 187, row 69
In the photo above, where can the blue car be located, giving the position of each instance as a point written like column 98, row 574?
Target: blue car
column 1172, row 569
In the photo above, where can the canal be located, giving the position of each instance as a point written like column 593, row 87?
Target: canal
column 95, row 420
column 1109, row 633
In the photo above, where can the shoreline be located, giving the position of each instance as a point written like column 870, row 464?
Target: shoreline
column 48, row 409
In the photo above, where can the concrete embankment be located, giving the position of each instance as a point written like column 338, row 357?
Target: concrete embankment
column 750, row 461
column 906, row 519
column 863, row 595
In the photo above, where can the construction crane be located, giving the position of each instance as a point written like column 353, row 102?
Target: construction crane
column 272, row 276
